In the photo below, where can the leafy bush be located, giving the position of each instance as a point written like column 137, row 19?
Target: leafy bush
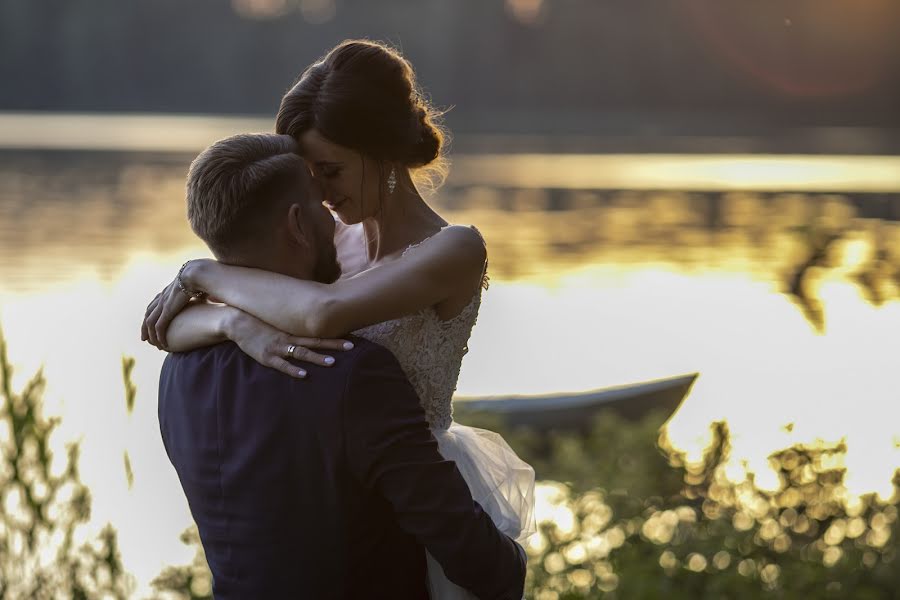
column 624, row 518
column 622, row 515
column 44, row 504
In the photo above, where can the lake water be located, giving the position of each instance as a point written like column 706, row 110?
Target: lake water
column 775, row 278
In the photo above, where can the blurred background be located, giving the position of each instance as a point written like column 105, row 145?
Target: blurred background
column 705, row 187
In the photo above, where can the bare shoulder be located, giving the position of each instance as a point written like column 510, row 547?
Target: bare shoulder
column 454, row 260
column 463, row 243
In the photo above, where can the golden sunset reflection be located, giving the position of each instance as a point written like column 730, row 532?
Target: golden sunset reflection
column 590, row 289
column 687, row 172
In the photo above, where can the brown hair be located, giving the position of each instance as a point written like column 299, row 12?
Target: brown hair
column 234, row 185
column 363, row 95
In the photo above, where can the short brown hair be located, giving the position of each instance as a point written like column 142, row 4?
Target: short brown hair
column 233, row 185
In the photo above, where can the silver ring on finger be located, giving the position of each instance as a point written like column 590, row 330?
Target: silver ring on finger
column 290, row 351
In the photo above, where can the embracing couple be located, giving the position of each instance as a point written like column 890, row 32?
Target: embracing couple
column 318, row 467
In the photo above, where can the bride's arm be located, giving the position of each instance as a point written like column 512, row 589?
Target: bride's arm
column 203, row 324
column 200, row 324
column 426, row 276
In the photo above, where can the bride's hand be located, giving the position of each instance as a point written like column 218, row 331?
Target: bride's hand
column 169, row 302
column 160, row 312
column 269, row 346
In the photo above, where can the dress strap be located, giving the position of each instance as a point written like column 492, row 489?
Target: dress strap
column 485, row 279
column 411, row 246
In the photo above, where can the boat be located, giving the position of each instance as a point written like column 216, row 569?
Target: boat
column 576, row 411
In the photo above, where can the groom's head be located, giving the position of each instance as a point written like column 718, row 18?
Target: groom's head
column 250, row 197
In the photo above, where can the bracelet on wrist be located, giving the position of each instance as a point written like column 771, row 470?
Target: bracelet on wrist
column 191, row 294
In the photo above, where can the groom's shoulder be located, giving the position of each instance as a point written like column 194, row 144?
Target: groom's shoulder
column 365, row 357
column 369, row 350
column 223, row 351
column 364, row 368
column 199, row 355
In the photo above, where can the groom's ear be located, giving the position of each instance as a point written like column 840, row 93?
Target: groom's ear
column 298, row 230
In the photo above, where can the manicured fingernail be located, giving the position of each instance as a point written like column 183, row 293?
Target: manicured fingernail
column 329, row 360
column 348, row 345
column 301, row 373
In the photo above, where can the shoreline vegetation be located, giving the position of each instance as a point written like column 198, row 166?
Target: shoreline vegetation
column 621, row 515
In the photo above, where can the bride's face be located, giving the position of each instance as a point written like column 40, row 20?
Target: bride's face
column 351, row 183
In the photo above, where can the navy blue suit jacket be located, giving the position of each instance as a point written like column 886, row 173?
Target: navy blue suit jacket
column 328, row 487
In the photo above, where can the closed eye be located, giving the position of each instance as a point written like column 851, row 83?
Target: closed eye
column 329, row 170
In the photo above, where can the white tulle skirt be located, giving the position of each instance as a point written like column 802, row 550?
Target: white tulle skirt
column 500, row 481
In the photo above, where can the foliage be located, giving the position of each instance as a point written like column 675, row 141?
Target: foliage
column 44, row 505
column 622, row 515
column 634, row 521
column 187, row 582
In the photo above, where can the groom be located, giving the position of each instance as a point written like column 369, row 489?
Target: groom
column 327, row 487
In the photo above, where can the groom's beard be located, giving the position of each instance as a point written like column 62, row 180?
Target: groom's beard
column 327, row 269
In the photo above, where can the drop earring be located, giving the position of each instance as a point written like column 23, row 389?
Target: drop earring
column 392, row 181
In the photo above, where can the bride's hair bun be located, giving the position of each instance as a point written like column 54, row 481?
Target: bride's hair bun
column 430, row 140
column 364, row 95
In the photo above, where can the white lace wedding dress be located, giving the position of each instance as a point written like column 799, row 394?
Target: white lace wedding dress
column 430, row 351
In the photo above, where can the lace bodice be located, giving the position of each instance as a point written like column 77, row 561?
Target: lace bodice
column 430, row 351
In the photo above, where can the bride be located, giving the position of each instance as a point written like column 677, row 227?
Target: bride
column 411, row 282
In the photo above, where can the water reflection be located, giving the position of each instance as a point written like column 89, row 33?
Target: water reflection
column 786, row 303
